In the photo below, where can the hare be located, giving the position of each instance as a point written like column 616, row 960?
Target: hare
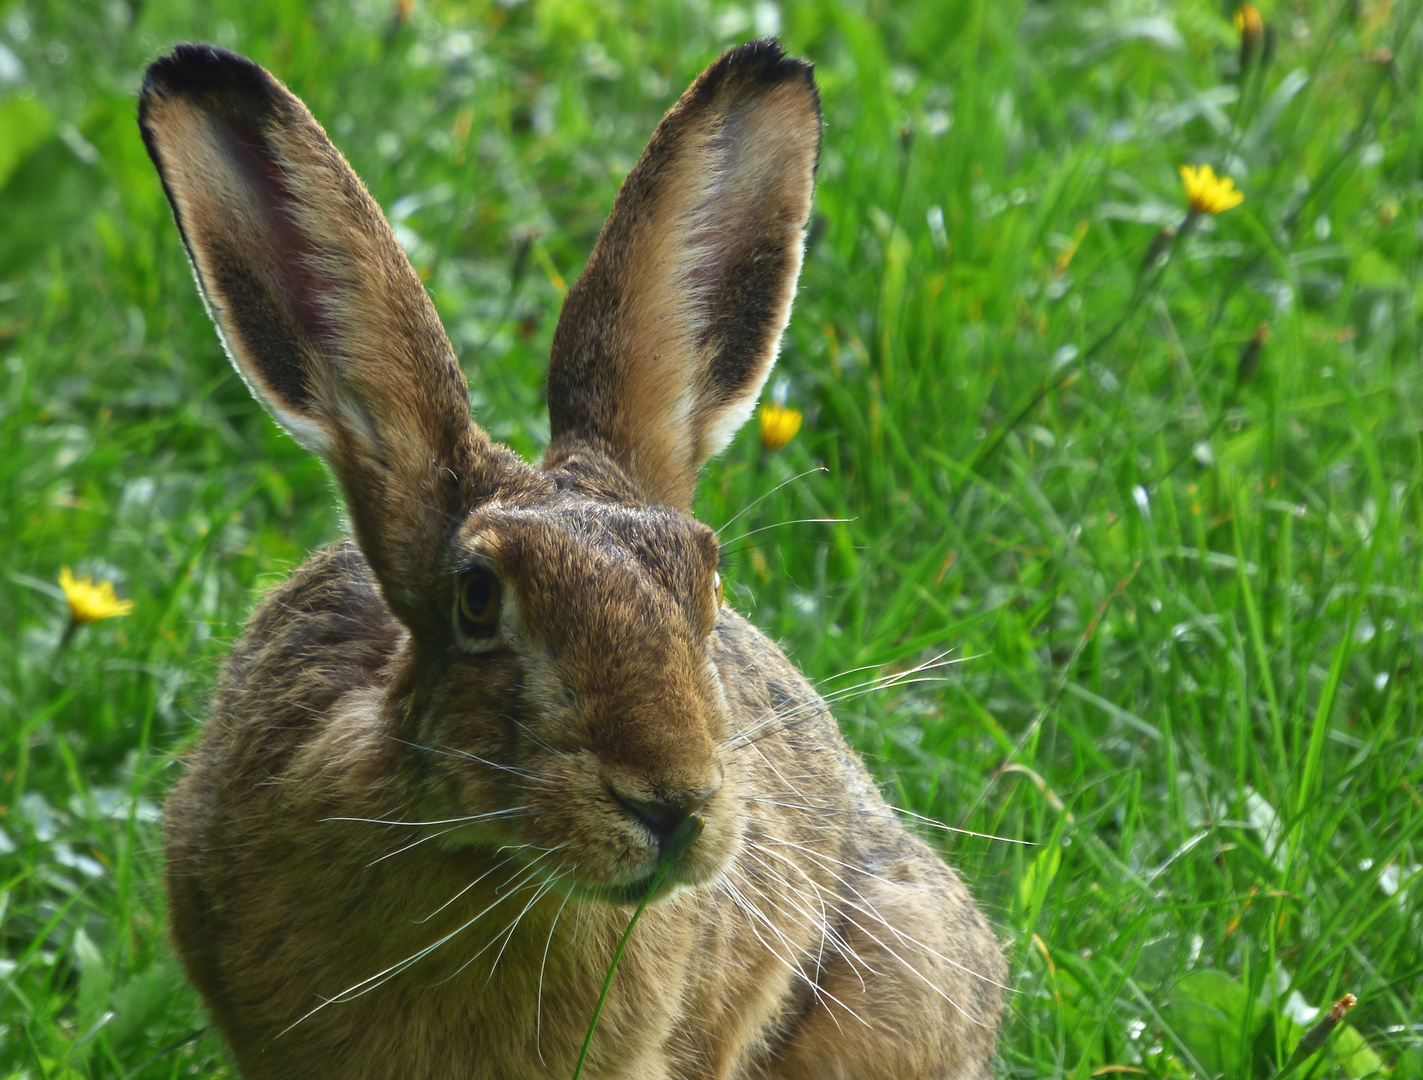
column 446, row 759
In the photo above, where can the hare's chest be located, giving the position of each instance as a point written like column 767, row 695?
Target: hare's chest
column 414, row 1029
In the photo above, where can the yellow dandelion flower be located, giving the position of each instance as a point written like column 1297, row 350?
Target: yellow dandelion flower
column 1249, row 23
column 89, row 602
column 1208, row 193
column 778, row 425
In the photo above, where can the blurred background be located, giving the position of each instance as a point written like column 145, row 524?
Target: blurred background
column 1135, row 464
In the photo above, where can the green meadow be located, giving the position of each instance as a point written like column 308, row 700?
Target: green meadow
column 1148, row 504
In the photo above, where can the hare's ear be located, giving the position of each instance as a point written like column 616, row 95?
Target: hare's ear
column 667, row 337
column 317, row 305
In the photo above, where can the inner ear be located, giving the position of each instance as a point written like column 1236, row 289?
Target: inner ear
column 296, row 274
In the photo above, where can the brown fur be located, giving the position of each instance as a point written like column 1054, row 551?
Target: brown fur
column 405, row 850
column 670, row 332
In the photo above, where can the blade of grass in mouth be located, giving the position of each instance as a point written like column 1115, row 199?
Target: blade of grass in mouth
column 682, row 841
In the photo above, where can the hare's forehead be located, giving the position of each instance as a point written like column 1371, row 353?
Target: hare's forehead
column 582, row 539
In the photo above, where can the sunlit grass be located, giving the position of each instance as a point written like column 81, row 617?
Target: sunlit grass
column 1159, row 484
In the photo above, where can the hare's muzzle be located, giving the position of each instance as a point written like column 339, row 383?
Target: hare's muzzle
column 662, row 817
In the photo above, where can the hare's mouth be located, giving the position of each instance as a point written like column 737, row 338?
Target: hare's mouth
column 676, row 867
column 647, row 888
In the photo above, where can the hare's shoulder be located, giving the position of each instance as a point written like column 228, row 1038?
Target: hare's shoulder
column 320, row 635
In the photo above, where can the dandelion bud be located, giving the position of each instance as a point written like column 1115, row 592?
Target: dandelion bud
column 1315, row 1038
column 1252, row 32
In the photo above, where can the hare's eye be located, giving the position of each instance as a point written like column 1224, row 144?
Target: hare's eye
column 479, row 603
column 716, row 584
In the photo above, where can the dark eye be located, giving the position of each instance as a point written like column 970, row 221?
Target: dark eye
column 479, row 603
column 716, row 584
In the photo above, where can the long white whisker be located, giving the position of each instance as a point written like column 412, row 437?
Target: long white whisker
column 779, row 775
column 412, row 844
column 543, row 890
column 823, row 808
column 539, row 1008
column 819, row 991
column 533, row 738
column 762, row 498
column 372, row 982
column 880, row 682
column 523, row 883
column 750, row 910
column 920, row 975
column 934, row 824
column 793, row 521
column 502, row 862
column 869, row 908
column 837, row 942
column 440, row 821
column 465, row 755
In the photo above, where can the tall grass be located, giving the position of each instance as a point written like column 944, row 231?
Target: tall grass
column 1181, row 567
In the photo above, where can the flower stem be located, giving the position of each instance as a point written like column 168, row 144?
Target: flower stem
column 682, row 840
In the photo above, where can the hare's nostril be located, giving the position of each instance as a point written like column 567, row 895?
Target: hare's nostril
column 662, row 816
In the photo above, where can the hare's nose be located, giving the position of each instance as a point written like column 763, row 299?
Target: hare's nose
column 662, row 816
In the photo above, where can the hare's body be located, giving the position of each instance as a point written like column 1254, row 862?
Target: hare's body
column 446, row 761
column 275, row 922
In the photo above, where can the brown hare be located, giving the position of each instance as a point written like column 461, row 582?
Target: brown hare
column 444, row 760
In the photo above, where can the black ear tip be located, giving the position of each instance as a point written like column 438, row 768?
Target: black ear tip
column 195, row 70
column 763, row 62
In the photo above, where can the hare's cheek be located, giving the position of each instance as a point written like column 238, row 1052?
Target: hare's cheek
column 570, row 813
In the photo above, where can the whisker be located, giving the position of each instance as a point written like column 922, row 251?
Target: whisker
column 749, row 909
column 871, row 910
column 933, row 823
column 762, row 498
column 533, row 738
column 542, row 891
column 465, row 755
column 502, row 862
column 825, row 808
column 440, row 821
column 819, row 991
column 412, row 844
column 880, row 682
column 507, row 933
column 771, row 765
column 793, row 521
column 807, row 710
column 539, row 1007
column 444, row 832
column 920, row 975
column 380, row 978
column 838, row 943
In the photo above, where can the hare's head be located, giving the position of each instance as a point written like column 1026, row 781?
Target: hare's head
column 556, row 685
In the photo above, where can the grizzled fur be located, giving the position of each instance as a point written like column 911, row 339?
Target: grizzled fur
column 409, row 839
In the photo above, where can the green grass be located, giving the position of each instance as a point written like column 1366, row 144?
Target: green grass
column 1185, row 584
